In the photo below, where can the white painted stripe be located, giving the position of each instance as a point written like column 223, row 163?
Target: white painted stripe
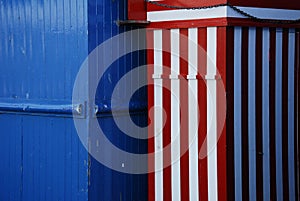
column 251, row 113
column 193, row 114
column 158, row 115
column 211, row 115
column 266, row 114
column 238, row 112
column 291, row 118
column 222, row 12
column 184, row 14
column 278, row 115
column 175, row 116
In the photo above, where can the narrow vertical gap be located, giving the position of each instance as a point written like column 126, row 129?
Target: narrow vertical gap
column 285, row 115
column 230, row 114
column 258, row 89
column 272, row 114
column 245, row 154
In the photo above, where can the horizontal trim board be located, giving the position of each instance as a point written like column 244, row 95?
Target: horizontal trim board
column 67, row 110
column 222, row 12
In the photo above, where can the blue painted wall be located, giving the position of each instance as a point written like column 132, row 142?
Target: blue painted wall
column 42, row 45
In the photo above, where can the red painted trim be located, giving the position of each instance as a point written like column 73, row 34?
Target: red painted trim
column 150, row 58
column 137, row 10
column 167, row 195
column 230, row 113
column 202, row 102
column 258, row 100
column 189, row 23
column 183, row 3
column 285, row 157
column 248, row 22
column 272, row 114
column 292, row 4
column 217, row 22
column 221, row 104
column 245, row 146
column 184, row 141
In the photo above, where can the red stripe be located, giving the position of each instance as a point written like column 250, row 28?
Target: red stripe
column 221, row 112
column 202, row 102
column 272, row 115
column 258, row 96
column 230, row 114
column 219, row 22
column 285, row 115
column 167, row 107
column 245, row 147
column 184, row 143
column 150, row 61
column 293, row 4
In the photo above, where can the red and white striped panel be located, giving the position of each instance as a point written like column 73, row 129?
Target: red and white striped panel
column 261, row 104
column 256, row 154
column 189, row 80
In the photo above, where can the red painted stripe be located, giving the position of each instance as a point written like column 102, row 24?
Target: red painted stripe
column 221, row 112
column 150, row 61
column 167, row 107
column 184, row 142
column 252, row 23
column 272, row 114
column 230, row 113
column 285, row 115
column 258, row 90
column 189, row 23
column 218, row 22
column 245, row 146
column 202, row 102
column 293, row 4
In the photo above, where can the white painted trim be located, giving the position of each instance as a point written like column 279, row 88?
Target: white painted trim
column 238, row 112
column 193, row 113
column 158, row 116
column 175, row 116
column 222, row 12
column 278, row 114
column 291, row 126
column 212, row 164
column 266, row 112
column 252, row 113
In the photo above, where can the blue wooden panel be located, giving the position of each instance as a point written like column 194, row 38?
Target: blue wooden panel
column 106, row 184
column 42, row 45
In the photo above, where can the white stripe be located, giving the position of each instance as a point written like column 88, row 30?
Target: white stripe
column 251, row 113
column 193, row 114
column 222, row 12
column 278, row 114
column 291, row 133
column 158, row 116
column 238, row 112
column 175, row 116
column 211, row 115
column 266, row 114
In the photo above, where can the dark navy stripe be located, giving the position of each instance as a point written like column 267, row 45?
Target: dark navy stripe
column 258, row 90
column 244, row 71
column 285, row 145
column 272, row 114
